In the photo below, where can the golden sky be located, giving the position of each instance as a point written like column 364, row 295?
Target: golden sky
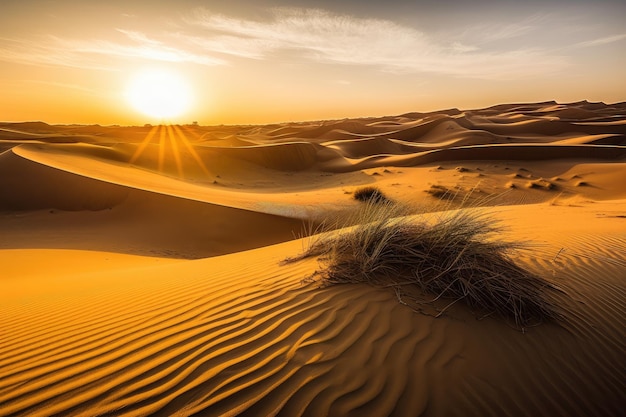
column 71, row 61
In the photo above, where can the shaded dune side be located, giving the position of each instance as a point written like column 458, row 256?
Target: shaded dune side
column 288, row 156
column 574, row 114
column 225, row 141
column 416, row 132
column 356, row 154
column 358, row 148
column 528, row 119
column 327, row 128
column 246, row 338
column 294, row 156
column 98, row 215
column 479, row 125
column 364, row 147
column 497, row 152
column 28, row 185
column 529, row 152
column 551, row 106
column 546, row 127
column 11, row 134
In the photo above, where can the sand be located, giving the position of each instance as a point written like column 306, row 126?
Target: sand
column 141, row 273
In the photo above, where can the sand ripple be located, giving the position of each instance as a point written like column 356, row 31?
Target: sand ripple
column 150, row 342
column 89, row 333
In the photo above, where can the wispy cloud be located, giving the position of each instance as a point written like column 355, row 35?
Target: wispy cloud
column 141, row 47
column 44, row 52
column 602, row 41
column 484, row 33
column 96, row 54
column 298, row 34
column 138, row 37
column 325, row 37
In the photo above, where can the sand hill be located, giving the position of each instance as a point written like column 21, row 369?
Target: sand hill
column 141, row 267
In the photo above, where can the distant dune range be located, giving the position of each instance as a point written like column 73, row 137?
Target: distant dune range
column 141, row 267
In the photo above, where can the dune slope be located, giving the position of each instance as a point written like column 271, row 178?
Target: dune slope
column 141, row 274
column 240, row 334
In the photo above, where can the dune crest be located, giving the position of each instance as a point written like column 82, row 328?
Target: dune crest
column 142, row 267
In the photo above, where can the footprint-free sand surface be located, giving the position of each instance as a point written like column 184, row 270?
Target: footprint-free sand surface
column 141, row 268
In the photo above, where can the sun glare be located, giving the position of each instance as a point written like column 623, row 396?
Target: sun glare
column 159, row 93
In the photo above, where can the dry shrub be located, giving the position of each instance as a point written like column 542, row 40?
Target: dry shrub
column 442, row 192
column 451, row 255
column 370, row 194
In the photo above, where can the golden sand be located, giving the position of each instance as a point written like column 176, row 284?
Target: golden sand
column 140, row 268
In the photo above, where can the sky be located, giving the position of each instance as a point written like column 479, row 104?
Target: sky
column 268, row 61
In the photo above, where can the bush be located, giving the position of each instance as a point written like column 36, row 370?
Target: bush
column 442, row 192
column 370, row 194
column 451, row 255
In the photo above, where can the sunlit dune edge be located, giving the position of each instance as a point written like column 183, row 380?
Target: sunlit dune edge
column 142, row 268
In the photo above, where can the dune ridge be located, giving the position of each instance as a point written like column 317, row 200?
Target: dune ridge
column 141, row 268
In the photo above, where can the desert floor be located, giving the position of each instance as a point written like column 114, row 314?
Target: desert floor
column 141, row 267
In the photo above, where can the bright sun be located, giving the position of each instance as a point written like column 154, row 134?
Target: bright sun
column 159, row 93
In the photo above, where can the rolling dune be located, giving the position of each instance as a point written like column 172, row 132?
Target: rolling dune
column 225, row 337
column 141, row 268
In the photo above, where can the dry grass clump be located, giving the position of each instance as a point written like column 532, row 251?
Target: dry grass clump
column 442, row 192
column 452, row 255
column 370, row 194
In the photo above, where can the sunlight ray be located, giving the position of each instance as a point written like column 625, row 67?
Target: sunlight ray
column 191, row 149
column 162, row 145
column 144, row 144
column 188, row 132
column 175, row 151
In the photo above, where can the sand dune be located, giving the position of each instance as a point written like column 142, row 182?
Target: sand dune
column 221, row 337
column 122, row 218
column 141, row 267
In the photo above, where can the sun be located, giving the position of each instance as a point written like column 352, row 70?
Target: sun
column 159, row 93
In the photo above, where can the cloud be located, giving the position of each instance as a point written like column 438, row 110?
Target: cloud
column 36, row 52
column 141, row 47
column 496, row 32
column 309, row 35
column 96, row 54
column 601, row 41
column 330, row 38
column 138, row 37
column 460, row 47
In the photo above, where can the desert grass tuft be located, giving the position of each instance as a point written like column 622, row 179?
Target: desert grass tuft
column 452, row 255
column 442, row 192
column 370, row 194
